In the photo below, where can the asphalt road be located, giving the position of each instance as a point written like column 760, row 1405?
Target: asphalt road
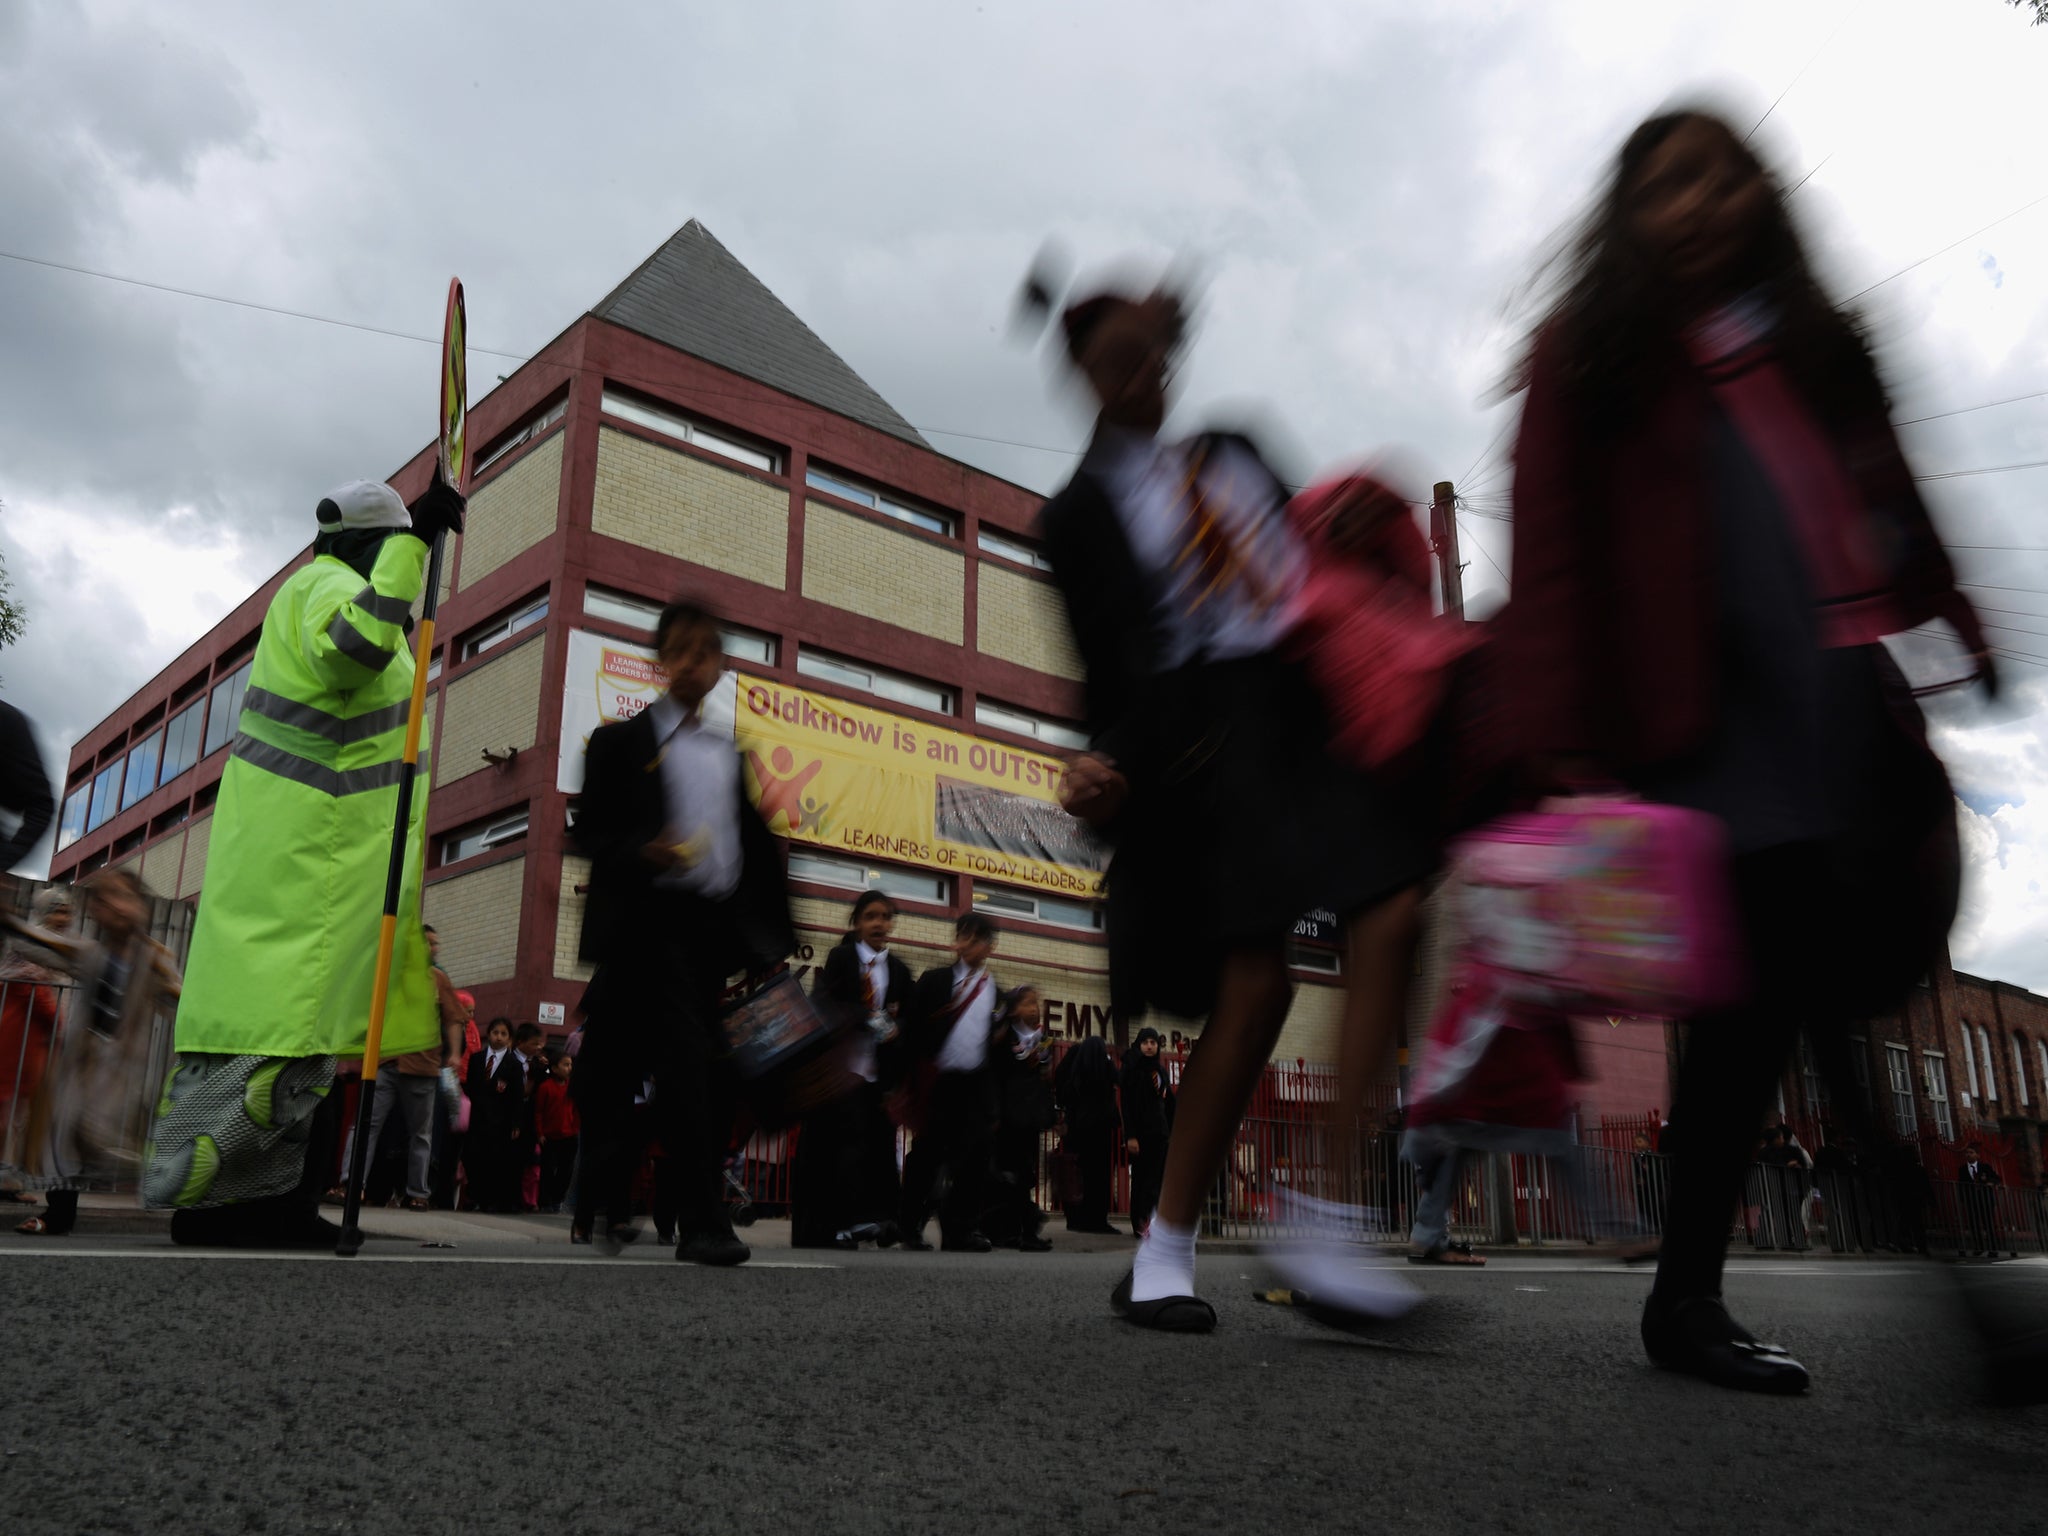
column 511, row 1385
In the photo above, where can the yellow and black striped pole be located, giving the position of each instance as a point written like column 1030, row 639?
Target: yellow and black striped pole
column 454, row 471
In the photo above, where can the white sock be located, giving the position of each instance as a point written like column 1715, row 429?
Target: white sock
column 1165, row 1262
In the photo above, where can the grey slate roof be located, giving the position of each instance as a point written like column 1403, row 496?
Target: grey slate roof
column 695, row 296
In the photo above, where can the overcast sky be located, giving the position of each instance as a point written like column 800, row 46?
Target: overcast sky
column 1364, row 185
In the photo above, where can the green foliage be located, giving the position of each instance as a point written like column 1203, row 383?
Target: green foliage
column 13, row 617
column 2040, row 9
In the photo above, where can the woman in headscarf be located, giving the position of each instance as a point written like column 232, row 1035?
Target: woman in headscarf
column 31, row 985
column 91, row 1112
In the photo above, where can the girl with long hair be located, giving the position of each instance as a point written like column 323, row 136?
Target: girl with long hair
column 1714, row 530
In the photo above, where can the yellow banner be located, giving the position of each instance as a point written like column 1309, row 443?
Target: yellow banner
column 870, row 784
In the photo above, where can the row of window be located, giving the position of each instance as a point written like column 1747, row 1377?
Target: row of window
column 725, row 445
column 1978, row 1074
column 861, row 677
column 1983, row 1056
column 198, row 730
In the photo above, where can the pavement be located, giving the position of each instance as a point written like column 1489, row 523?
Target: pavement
column 514, row 1384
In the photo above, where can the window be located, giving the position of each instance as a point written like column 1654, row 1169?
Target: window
column 224, row 710
column 2041, row 1056
column 1010, row 547
column 106, row 789
column 434, row 665
column 1326, row 962
column 143, row 759
column 523, row 434
column 684, row 430
column 483, row 836
column 1899, row 1064
column 1810, row 1082
column 71, row 824
column 1859, row 1065
column 642, row 613
column 1003, row 718
column 1969, row 1065
column 181, row 741
column 854, row 875
column 1934, row 1073
column 883, row 685
column 2019, row 1070
column 878, row 501
column 1035, row 908
column 498, row 631
column 1984, row 1061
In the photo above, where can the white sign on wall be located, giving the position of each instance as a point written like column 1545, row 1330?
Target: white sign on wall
column 609, row 680
column 556, row 1014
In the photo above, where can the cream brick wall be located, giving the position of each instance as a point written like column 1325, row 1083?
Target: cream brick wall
column 496, row 706
column 1313, row 1024
column 196, row 838
column 858, row 565
column 477, row 917
column 160, row 864
column 1020, row 620
column 569, row 921
column 683, row 507
column 513, row 513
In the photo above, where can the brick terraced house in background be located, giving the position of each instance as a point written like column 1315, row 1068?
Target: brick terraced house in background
column 690, row 434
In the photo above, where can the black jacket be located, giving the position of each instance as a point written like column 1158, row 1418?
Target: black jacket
column 1024, row 1100
column 931, row 1018
column 627, row 920
column 1145, row 1097
column 1085, row 1084
column 497, row 1100
column 24, row 787
column 836, row 986
column 1985, row 1174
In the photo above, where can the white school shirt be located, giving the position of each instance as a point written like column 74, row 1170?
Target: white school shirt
column 700, row 780
column 1145, row 479
column 966, row 1046
column 875, row 962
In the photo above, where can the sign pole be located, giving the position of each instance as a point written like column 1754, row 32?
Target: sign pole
column 453, row 415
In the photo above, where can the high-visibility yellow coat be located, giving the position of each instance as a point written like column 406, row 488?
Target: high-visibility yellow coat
column 284, row 950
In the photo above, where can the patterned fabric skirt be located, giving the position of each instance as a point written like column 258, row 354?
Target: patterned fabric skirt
column 232, row 1128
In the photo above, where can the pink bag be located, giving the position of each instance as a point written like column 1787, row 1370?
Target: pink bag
column 1605, row 903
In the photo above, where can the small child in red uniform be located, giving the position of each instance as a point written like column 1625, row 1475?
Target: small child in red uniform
column 554, row 1122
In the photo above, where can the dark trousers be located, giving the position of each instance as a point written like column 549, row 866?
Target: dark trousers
column 1730, row 1068
column 1013, row 1211
column 958, row 1127
column 1148, row 1170
column 845, row 1169
column 557, row 1162
column 690, row 1115
column 1093, row 1147
column 1980, row 1211
column 60, row 1211
column 492, row 1156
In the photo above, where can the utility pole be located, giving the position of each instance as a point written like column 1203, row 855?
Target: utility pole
column 1443, row 539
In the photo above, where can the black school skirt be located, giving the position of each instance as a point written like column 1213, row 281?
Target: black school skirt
column 1240, row 821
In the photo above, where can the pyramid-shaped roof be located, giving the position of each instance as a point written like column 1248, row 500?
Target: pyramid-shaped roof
column 695, row 296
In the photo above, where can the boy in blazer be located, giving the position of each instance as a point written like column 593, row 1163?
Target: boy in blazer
column 496, row 1085
column 686, row 891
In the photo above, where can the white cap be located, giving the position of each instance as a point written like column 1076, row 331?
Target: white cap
column 362, row 504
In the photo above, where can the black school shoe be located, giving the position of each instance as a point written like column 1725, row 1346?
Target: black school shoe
column 719, row 1250
column 1168, row 1314
column 1697, row 1337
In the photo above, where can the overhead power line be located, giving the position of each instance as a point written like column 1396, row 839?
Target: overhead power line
column 1966, row 239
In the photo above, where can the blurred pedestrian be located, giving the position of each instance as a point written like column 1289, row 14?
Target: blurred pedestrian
column 1181, row 577
column 24, row 788
column 32, row 982
column 1085, row 1086
column 1714, row 529
column 1146, row 1092
column 1021, row 1062
column 953, row 1018
column 285, row 946
column 90, row 1113
column 529, row 1044
column 686, row 890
